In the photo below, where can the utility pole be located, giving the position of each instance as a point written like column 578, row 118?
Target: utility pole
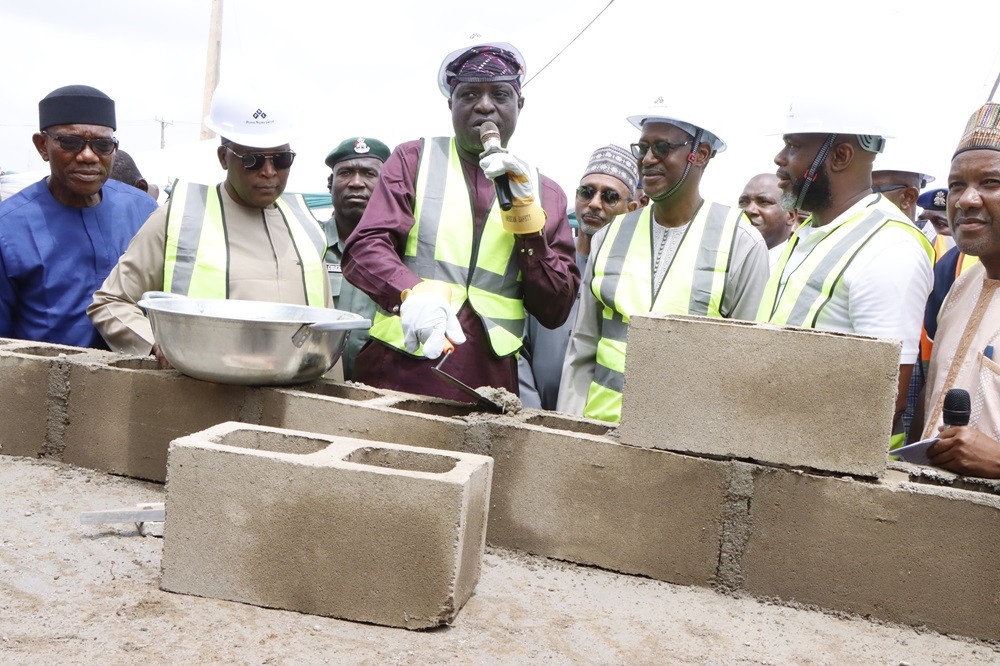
column 212, row 64
column 163, row 131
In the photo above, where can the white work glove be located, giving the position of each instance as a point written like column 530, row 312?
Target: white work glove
column 427, row 318
column 525, row 217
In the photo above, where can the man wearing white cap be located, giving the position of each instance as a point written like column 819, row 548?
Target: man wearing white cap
column 435, row 247
column 681, row 255
column 857, row 264
column 239, row 239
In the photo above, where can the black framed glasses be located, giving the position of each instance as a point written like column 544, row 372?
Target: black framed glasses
column 586, row 193
column 72, row 143
column 660, row 148
column 255, row 161
column 888, row 188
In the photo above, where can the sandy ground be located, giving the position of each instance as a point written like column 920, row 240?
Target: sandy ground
column 87, row 594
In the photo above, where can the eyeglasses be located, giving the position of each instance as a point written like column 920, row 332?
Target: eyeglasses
column 660, row 148
column 75, row 144
column 888, row 188
column 586, row 193
column 255, row 161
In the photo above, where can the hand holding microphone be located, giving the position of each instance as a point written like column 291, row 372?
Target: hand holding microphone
column 511, row 179
column 965, row 450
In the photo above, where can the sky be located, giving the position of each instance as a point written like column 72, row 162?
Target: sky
column 370, row 68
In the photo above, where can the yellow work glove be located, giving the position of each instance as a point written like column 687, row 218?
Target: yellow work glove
column 427, row 318
column 525, row 216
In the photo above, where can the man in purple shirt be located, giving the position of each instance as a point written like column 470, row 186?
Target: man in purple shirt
column 434, row 236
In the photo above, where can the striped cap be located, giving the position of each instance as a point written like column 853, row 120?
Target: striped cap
column 617, row 162
column 982, row 130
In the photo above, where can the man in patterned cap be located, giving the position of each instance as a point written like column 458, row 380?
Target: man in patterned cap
column 355, row 166
column 967, row 343
column 606, row 190
column 60, row 237
column 448, row 266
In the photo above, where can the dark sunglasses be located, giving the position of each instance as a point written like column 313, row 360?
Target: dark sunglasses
column 586, row 193
column 255, row 161
column 659, row 148
column 888, row 188
column 75, row 144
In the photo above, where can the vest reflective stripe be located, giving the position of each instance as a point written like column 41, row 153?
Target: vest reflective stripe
column 940, row 246
column 196, row 255
column 810, row 286
column 623, row 282
column 442, row 245
column 310, row 246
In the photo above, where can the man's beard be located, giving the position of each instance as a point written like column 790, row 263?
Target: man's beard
column 818, row 197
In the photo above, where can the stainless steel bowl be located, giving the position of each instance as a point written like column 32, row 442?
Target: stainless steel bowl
column 248, row 342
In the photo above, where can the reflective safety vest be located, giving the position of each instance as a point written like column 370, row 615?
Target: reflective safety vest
column 624, row 283
column 810, row 286
column 444, row 245
column 196, row 258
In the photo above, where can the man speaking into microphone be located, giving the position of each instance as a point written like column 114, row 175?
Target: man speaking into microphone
column 441, row 257
column 966, row 352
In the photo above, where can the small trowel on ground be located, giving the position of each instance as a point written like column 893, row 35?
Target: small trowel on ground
column 482, row 402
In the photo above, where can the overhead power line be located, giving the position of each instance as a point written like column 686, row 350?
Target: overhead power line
column 570, row 43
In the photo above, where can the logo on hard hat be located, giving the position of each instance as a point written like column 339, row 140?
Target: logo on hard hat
column 360, row 146
column 259, row 114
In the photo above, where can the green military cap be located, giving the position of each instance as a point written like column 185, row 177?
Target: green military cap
column 358, row 147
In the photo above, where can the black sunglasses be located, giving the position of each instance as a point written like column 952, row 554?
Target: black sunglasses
column 586, row 193
column 659, row 148
column 255, row 161
column 75, row 144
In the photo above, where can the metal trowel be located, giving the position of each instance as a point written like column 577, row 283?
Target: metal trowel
column 485, row 404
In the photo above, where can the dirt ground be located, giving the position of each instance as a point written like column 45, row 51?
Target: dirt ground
column 87, row 594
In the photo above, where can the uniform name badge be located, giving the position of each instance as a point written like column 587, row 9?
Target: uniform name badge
column 333, row 268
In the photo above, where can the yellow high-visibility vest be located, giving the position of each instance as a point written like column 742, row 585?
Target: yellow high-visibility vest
column 442, row 245
column 623, row 284
column 810, row 286
column 196, row 258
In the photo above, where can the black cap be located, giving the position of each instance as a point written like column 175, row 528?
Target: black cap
column 76, row 105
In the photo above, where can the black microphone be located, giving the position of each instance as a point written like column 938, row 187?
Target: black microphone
column 490, row 136
column 957, row 407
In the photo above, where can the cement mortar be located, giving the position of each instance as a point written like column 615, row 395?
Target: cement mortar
column 88, row 594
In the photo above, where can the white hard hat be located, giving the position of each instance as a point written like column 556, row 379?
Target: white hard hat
column 900, row 155
column 837, row 115
column 662, row 112
column 472, row 40
column 250, row 118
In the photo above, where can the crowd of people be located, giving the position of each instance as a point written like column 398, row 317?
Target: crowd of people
column 454, row 245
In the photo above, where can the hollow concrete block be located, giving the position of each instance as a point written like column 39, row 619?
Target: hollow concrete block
column 353, row 411
column 777, row 395
column 574, row 495
column 24, row 404
column 326, row 525
column 898, row 551
column 123, row 414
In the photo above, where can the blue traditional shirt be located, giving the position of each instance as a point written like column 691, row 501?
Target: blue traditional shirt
column 54, row 257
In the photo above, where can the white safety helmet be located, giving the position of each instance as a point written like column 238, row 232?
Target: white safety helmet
column 837, row 115
column 476, row 39
column 660, row 111
column 900, row 155
column 248, row 117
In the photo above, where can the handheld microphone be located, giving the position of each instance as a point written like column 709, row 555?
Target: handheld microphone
column 490, row 136
column 957, row 407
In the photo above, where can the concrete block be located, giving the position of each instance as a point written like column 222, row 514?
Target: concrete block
column 24, row 404
column 352, row 411
column 899, row 551
column 776, row 395
column 123, row 414
column 325, row 525
column 588, row 499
